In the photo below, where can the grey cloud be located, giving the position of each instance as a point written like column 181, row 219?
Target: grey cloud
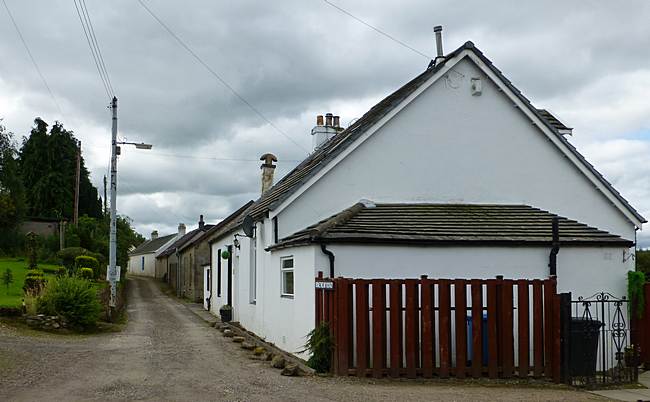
column 293, row 59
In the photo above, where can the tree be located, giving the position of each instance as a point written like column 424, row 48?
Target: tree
column 8, row 278
column 12, row 192
column 48, row 165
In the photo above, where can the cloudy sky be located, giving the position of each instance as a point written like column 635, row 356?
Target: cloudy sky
column 588, row 62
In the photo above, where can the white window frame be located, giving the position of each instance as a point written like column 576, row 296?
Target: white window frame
column 284, row 270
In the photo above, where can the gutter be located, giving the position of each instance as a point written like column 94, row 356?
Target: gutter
column 555, row 249
column 330, row 255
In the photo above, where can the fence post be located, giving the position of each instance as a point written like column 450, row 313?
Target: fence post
column 565, row 331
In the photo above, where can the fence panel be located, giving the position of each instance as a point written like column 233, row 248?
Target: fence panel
column 388, row 327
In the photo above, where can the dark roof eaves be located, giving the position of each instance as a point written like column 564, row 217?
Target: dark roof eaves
column 416, row 242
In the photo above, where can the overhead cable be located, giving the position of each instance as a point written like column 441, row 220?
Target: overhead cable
column 218, row 77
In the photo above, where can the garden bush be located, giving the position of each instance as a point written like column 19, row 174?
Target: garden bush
column 68, row 255
column 86, row 261
column 72, row 298
column 61, row 271
column 86, row 273
column 320, row 345
column 34, row 281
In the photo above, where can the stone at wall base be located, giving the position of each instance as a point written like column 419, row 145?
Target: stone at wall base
column 278, row 362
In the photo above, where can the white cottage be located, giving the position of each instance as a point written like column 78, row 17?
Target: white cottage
column 454, row 175
column 142, row 259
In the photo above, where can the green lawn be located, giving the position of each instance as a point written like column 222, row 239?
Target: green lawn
column 14, row 296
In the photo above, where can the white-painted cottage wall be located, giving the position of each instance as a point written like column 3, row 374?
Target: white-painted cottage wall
column 449, row 146
column 446, row 146
column 135, row 265
column 287, row 321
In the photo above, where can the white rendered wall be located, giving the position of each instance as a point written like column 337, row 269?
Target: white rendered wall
column 135, row 265
column 581, row 271
column 451, row 147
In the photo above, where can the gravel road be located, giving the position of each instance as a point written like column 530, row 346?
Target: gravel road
column 166, row 353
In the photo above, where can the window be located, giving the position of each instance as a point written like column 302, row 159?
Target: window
column 143, row 262
column 286, row 271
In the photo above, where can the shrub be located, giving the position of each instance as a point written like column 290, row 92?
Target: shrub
column 8, row 278
column 68, row 254
column 34, row 281
column 86, row 273
column 61, row 271
column 85, row 261
column 73, row 299
column 30, row 301
column 320, row 345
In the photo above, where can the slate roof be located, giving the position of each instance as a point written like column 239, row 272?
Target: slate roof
column 445, row 224
column 150, row 246
column 333, row 147
column 182, row 240
column 552, row 120
column 229, row 223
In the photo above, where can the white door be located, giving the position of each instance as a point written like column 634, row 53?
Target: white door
column 207, row 282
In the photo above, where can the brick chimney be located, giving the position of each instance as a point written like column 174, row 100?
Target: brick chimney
column 154, row 235
column 325, row 130
column 268, row 169
column 181, row 229
column 201, row 223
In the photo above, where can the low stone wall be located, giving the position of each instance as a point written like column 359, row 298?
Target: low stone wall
column 105, row 296
column 11, row 311
column 46, row 322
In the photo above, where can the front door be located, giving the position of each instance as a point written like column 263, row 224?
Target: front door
column 207, row 280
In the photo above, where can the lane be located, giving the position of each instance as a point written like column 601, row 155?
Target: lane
column 168, row 354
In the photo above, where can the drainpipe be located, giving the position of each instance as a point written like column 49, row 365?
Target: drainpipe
column 331, row 257
column 552, row 258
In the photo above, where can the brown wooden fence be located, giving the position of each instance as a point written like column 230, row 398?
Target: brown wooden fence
column 421, row 327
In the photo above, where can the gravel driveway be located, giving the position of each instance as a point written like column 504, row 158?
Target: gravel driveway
column 167, row 353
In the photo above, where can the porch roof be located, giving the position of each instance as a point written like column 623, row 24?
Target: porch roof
column 446, row 224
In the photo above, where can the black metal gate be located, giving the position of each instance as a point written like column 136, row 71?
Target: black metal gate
column 615, row 359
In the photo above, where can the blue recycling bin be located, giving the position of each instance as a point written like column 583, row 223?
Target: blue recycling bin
column 484, row 340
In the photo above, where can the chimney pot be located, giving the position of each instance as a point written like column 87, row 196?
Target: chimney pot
column 201, row 223
column 181, row 229
column 154, row 234
column 328, row 120
column 439, row 52
column 319, row 120
column 337, row 121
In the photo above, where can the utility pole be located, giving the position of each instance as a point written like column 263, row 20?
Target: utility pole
column 105, row 199
column 112, row 251
column 75, row 213
column 113, row 273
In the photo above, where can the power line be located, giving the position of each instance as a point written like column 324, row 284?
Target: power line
column 379, row 31
column 93, row 36
column 92, row 51
column 218, row 77
column 38, row 70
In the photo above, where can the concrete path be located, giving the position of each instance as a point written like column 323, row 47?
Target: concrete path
column 168, row 354
column 629, row 394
